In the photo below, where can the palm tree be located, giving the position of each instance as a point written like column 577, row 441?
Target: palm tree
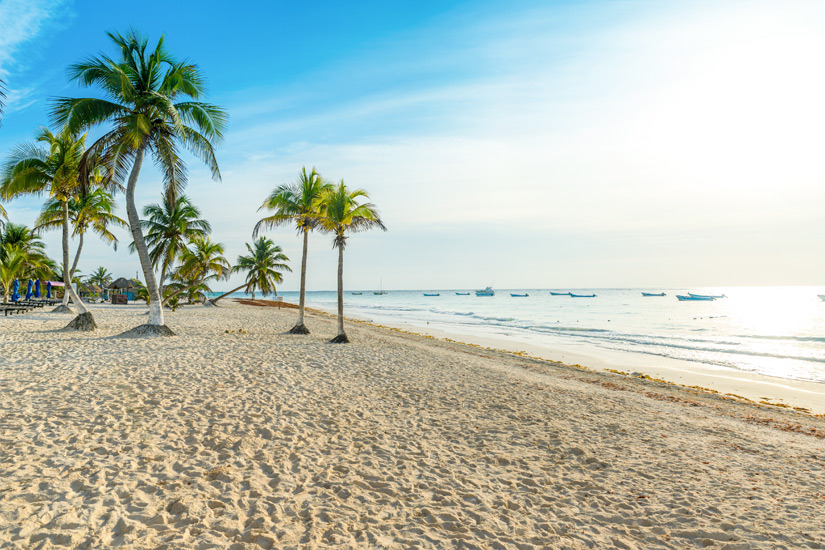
column 92, row 209
column 33, row 170
column 202, row 262
column 264, row 266
column 144, row 91
column 100, row 277
column 167, row 230
column 2, row 99
column 297, row 203
column 342, row 214
column 22, row 255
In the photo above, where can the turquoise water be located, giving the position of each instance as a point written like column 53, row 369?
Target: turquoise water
column 775, row 331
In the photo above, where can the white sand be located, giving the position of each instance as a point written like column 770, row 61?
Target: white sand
column 261, row 439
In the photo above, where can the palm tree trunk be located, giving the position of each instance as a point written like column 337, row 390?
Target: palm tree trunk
column 67, row 274
column 300, row 327
column 342, row 336
column 155, row 303
column 214, row 301
column 77, row 255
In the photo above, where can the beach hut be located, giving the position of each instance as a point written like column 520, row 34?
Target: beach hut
column 122, row 290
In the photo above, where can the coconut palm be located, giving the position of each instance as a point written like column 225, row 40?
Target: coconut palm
column 100, row 277
column 22, row 255
column 297, row 203
column 2, row 99
column 34, row 170
column 201, row 262
column 153, row 106
column 264, row 268
column 342, row 214
column 90, row 209
column 167, row 229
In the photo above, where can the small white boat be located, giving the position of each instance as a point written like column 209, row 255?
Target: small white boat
column 652, row 294
column 582, row 295
column 486, row 292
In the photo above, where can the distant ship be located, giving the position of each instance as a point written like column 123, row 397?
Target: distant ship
column 486, row 292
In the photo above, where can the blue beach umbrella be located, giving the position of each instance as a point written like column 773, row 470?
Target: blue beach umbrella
column 37, row 288
column 49, row 290
column 15, row 295
column 29, row 290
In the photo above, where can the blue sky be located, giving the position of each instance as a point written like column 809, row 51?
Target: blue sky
column 521, row 144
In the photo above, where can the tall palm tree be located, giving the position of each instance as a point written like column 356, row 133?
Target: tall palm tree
column 153, row 106
column 100, row 277
column 56, row 171
column 90, row 209
column 201, row 262
column 264, row 268
column 297, row 203
column 2, row 99
column 342, row 214
column 167, row 229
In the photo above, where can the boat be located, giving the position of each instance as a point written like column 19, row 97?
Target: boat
column 356, row 293
column 705, row 296
column 559, row 294
column 695, row 298
column 436, row 294
column 582, row 295
column 525, row 295
column 380, row 288
column 379, row 293
column 486, row 292
column 652, row 294
column 462, row 293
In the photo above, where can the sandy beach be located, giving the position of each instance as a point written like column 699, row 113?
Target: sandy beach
column 235, row 435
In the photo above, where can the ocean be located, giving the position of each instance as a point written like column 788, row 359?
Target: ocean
column 773, row 331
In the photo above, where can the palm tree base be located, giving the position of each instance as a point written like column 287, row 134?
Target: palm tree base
column 148, row 331
column 63, row 309
column 83, row 322
column 299, row 329
column 340, row 339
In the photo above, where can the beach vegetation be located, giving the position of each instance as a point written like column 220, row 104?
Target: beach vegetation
column 53, row 170
column 341, row 215
column 100, row 277
column 89, row 209
column 201, row 262
column 168, row 228
column 264, row 266
column 152, row 106
column 22, row 256
column 296, row 203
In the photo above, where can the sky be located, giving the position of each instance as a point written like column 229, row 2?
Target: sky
column 519, row 144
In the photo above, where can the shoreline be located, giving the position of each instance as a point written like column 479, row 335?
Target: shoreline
column 800, row 395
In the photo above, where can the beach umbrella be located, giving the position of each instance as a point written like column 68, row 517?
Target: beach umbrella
column 49, row 290
column 29, row 290
column 37, row 288
column 15, row 295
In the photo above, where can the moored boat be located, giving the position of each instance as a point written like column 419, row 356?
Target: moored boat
column 435, row 294
column 525, row 295
column 695, row 298
column 653, row 294
column 462, row 293
column 486, row 292
column 559, row 293
column 582, row 295
column 356, row 293
column 705, row 296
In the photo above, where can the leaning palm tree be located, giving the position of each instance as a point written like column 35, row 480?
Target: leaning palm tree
column 153, row 106
column 90, row 209
column 264, row 268
column 297, row 203
column 56, row 171
column 342, row 214
column 167, row 229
